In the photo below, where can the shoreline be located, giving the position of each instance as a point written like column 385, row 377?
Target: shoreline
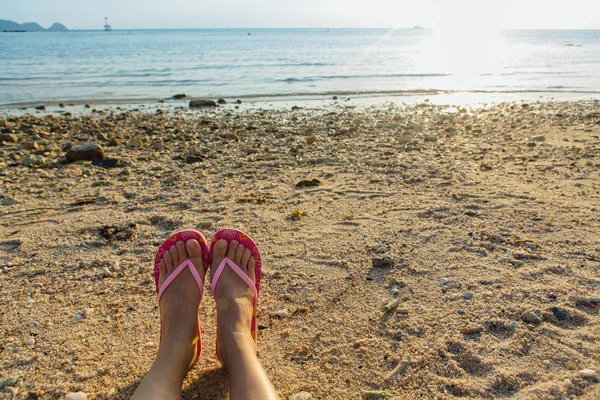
column 308, row 100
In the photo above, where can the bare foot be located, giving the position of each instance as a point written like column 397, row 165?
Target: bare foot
column 234, row 300
column 179, row 319
column 179, row 303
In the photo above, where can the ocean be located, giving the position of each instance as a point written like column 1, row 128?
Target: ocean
column 134, row 65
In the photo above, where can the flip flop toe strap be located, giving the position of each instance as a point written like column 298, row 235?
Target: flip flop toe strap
column 187, row 263
column 228, row 262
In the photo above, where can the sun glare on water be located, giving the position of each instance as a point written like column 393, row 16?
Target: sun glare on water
column 466, row 43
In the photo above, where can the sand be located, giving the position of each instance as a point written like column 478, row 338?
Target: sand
column 481, row 223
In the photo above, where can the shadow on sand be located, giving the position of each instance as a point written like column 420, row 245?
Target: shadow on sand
column 206, row 385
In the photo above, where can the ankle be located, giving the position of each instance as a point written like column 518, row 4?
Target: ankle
column 235, row 345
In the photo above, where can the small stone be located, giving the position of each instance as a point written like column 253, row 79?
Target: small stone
column 202, row 103
column 238, row 101
column 8, row 201
column 513, row 325
column 461, row 312
column 302, row 396
column 180, row 96
column 468, row 295
column 30, row 342
column 444, row 281
column 560, row 313
column 37, row 285
column 87, row 312
column 312, row 140
column 107, row 273
column 309, row 183
column 158, row 144
column 334, row 98
column 135, row 142
column 41, row 108
column 8, row 138
column 282, row 313
column 35, row 394
column 383, row 262
column 539, row 138
column 35, row 324
column 403, row 311
column 76, row 396
column 430, row 138
column 589, row 374
column 311, row 300
column 221, row 101
column 533, row 316
column 86, row 152
column 31, row 145
column 101, row 136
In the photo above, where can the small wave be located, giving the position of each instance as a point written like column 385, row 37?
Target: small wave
column 326, row 77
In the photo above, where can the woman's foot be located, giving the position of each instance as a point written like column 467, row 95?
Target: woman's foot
column 179, row 322
column 235, row 306
column 179, row 303
column 234, row 301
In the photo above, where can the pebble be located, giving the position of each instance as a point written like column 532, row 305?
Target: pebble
column 135, row 142
column 312, row 140
column 8, row 201
column 311, row 300
column 76, row 396
column 391, row 305
column 383, row 262
column 35, row 324
column 107, row 273
column 87, row 312
column 282, row 313
column 430, row 138
column 560, row 313
column 468, row 295
column 533, row 316
column 86, row 152
column 8, row 138
column 30, row 342
column 539, row 138
column 302, row 396
column 589, row 374
column 202, row 103
column 444, row 281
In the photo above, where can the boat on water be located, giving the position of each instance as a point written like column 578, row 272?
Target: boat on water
column 107, row 27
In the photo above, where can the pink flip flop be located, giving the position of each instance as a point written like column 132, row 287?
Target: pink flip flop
column 183, row 235
column 230, row 234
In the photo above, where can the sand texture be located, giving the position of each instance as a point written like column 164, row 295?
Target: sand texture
column 409, row 251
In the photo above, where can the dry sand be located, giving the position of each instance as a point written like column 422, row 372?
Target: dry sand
column 490, row 230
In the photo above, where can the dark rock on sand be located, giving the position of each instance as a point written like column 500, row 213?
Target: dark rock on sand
column 238, row 101
column 560, row 313
column 8, row 138
column 221, row 101
column 383, row 262
column 41, row 108
column 180, row 96
column 86, row 152
column 202, row 103
column 309, row 183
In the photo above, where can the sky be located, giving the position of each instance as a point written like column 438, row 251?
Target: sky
column 435, row 14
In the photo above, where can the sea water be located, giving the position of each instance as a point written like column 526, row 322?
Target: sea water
column 154, row 64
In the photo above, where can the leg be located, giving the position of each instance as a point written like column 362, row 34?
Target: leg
column 247, row 378
column 179, row 317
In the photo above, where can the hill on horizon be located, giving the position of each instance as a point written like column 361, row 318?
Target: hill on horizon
column 11, row 26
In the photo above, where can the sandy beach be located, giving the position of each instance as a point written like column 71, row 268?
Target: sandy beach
column 409, row 252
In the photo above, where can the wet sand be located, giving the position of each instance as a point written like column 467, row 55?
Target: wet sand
column 451, row 238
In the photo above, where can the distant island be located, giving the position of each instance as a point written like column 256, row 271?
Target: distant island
column 11, row 26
